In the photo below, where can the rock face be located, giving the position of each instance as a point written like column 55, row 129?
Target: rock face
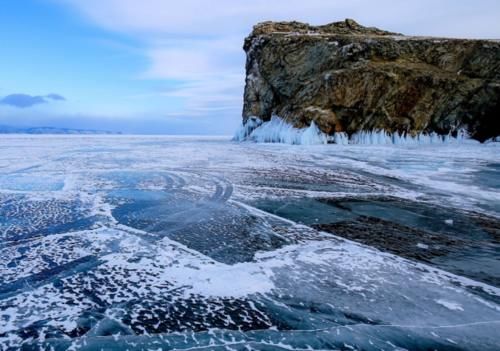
column 349, row 78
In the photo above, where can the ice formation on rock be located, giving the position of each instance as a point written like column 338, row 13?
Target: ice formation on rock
column 247, row 128
column 381, row 137
column 277, row 130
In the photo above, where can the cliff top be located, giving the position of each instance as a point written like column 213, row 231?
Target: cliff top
column 346, row 27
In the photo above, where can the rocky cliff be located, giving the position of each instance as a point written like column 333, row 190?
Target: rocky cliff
column 350, row 78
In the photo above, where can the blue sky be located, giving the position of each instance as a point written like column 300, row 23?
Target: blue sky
column 175, row 67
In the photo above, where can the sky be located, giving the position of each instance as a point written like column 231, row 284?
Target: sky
column 172, row 67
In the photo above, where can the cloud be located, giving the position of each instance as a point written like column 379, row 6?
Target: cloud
column 55, row 97
column 209, row 73
column 210, row 95
column 25, row 100
column 207, row 19
column 199, row 17
column 22, row 100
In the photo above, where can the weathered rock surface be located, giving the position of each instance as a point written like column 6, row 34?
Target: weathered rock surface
column 349, row 78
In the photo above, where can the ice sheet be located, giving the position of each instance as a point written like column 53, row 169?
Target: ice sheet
column 155, row 242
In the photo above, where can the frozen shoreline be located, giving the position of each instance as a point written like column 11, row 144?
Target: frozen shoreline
column 277, row 130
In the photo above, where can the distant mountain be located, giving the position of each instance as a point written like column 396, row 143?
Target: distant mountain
column 50, row 130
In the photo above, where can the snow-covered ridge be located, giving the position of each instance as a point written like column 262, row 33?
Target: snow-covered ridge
column 278, row 130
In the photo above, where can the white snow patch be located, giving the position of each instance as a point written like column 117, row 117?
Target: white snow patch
column 450, row 305
column 221, row 280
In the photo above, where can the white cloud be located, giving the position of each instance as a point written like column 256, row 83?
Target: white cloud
column 192, row 59
column 223, row 17
column 201, row 17
column 210, row 73
column 222, row 93
column 184, row 64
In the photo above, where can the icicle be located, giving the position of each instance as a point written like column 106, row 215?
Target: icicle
column 247, row 128
column 278, row 130
column 493, row 140
column 381, row 137
column 341, row 138
column 378, row 137
column 313, row 135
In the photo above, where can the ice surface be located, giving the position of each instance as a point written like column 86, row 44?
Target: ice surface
column 134, row 242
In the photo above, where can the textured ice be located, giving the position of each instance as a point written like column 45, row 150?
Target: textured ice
column 130, row 242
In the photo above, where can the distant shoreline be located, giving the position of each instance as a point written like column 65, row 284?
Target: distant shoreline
column 53, row 130
column 172, row 136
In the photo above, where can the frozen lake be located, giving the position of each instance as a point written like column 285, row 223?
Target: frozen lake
column 131, row 242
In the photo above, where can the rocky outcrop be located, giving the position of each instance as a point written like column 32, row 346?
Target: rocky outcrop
column 350, row 78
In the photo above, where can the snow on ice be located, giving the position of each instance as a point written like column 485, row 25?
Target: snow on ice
column 129, row 242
